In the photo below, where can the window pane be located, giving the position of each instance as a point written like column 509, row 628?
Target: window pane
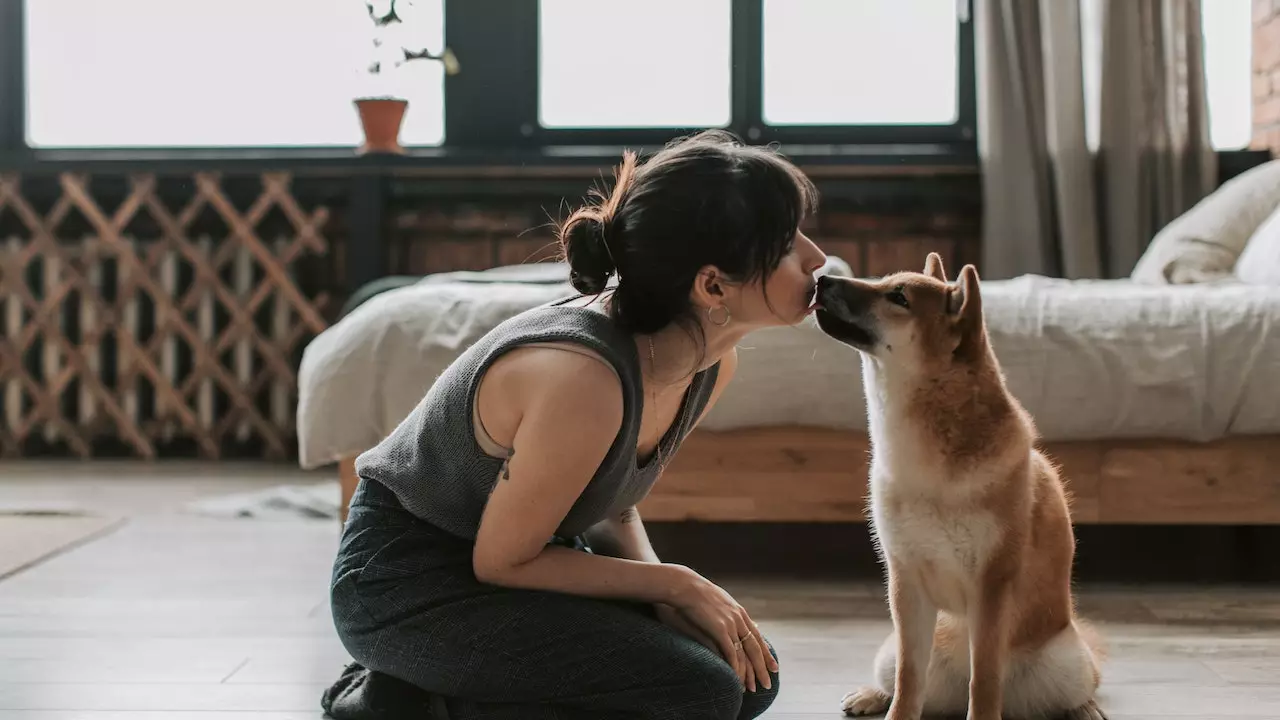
column 1228, row 69
column 621, row 63
column 1091, row 62
column 152, row 73
column 860, row 62
column 1228, row 40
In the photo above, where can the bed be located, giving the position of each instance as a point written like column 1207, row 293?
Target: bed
column 1158, row 394
column 1161, row 402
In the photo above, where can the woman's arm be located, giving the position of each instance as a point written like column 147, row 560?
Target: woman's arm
column 570, row 411
column 624, row 535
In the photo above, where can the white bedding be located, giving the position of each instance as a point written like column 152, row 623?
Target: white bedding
column 1089, row 359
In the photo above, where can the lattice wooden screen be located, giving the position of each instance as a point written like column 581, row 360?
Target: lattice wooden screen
column 168, row 336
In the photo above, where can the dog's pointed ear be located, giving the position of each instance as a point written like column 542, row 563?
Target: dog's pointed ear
column 964, row 302
column 933, row 267
column 971, row 302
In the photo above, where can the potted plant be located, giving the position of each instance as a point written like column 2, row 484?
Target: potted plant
column 382, row 109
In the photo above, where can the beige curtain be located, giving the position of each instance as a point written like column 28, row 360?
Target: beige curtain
column 1057, row 202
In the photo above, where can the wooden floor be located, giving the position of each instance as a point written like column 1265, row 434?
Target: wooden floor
column 177, row 617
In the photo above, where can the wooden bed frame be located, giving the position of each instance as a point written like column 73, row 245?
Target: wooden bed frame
column 797, row 474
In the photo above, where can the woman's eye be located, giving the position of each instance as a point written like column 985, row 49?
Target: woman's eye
column 897, row 297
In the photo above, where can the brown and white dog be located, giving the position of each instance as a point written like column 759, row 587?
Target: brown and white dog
column 971, row 520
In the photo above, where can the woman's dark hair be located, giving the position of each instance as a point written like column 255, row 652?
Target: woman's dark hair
column 707, row 199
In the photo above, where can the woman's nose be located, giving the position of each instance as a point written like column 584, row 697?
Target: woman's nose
column 819, row 258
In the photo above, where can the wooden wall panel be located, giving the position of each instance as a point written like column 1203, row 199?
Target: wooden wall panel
column 149, row 322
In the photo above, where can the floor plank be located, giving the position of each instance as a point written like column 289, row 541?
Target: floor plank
column 157, row 715
column 122, row 669
column 170, row 697
column 182, row 617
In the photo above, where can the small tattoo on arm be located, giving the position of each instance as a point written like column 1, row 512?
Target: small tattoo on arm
column 506, row 464
column 628, row 515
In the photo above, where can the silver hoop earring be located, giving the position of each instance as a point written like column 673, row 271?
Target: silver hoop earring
column 712, row 320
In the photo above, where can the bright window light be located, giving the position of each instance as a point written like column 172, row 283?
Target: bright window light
column 618, row 63
column 860, row 62
column 217, row 73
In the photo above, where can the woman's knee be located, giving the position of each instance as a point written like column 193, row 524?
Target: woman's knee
column 720, row 687
column 725, row 696
column 754, row 704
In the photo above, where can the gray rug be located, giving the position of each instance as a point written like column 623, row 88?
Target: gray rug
column 281, row 502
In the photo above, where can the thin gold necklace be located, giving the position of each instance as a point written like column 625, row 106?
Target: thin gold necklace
column 653, row 373
column 659, row 455
column 653, row 397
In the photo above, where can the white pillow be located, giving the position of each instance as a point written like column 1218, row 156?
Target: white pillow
column 1204, row 243
column 1259, row 264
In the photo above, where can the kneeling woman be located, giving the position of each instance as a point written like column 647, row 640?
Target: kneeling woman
column 493, row 564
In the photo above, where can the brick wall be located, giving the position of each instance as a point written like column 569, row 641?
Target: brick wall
column 877, row 227
column 1266, row 74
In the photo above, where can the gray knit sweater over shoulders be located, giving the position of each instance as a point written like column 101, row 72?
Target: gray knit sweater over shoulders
column 434, row 465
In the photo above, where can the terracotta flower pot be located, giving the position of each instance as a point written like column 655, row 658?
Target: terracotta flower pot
column 381, row 118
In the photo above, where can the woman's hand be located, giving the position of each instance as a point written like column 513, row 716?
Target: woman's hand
column 672, row 618
column 726, row 624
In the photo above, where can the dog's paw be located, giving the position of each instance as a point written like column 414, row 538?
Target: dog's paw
column 1088, row 711
column 865, row 701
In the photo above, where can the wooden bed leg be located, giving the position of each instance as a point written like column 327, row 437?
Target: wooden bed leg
column 347, row 479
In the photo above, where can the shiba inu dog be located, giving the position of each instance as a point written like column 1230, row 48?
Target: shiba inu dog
column 970, row 519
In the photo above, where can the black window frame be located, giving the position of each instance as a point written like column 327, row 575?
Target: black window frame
column 13, row 92
column 496, row 105
column 491, row 106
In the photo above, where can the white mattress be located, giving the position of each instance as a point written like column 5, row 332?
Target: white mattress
column 1088, row 359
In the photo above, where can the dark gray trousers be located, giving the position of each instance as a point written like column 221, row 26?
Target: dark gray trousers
column 406, row 603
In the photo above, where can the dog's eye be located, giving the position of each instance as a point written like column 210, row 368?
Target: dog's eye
column 897, row 297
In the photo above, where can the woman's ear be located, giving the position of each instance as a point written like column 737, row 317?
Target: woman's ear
column 710, row 288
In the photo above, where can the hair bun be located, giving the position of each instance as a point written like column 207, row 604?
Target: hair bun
column 587, row 251
column 590, row 238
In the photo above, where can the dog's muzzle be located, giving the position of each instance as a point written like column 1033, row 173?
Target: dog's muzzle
column 843, row 312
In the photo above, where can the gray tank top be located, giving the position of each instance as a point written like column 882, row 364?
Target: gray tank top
column 440, row 473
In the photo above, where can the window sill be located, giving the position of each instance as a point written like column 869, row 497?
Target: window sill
column 566, row 162
column 552, row 161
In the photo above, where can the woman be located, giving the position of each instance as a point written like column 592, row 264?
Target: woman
column 446, row 590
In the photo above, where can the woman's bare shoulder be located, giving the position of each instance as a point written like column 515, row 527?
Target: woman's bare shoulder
column 545, row 366
column 547, row 381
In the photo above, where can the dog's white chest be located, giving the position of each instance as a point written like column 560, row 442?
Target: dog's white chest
column 942, row 548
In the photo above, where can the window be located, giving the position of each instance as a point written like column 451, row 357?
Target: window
column 537, row 73
column 256, row 73
column 660, row 63
column 1228, row 69
column 802, row 71
column 1227, row 27
column 860, row 63
column 534, row 74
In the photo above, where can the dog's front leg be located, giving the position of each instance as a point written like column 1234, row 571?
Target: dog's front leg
column 915, row 618
column 989, row 647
